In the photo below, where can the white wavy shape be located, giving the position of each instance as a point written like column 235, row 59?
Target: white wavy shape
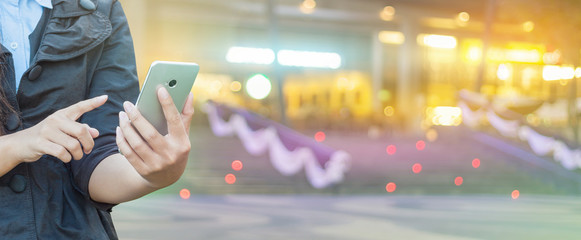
column 287, row 162
column 541, row 145
column 508, row 128
column 565, row 155
column 469, row 117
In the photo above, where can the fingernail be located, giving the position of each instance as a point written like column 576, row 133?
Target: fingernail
column 118, row 130
column 102, row 97
column 163, row 93
column 123, row 116
column 128, row 106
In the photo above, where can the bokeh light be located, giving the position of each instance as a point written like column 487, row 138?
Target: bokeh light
column 237, row 165
column 528, row 26
column 390, row 187
column 230, row 178
column 420, row 145
column 432, row 135
column 388, row 111
column 185, row 193
column 391, row 149
column 235, row 86
column 258, row 86
column 476, row 163
column 417, row 168
column 463, row 17
column 458, row 181
column 320, row 136
column 387, row 13
column 515, row 194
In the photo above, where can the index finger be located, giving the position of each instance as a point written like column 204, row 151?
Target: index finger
column 76, row 110
column 172, row 116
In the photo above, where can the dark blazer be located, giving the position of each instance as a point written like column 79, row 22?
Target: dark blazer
column 80, row 49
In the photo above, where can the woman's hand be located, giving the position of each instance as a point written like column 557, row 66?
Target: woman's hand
column 58, row 135
column 159, row 159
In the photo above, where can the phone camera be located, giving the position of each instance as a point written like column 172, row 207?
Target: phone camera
column 172, row 83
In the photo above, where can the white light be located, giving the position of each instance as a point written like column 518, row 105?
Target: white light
column 258, row 86
column 250, row 55
column 438, row 41
column 567, row 73
column 551, row 73
column 446, row 116
column 309, row 59
column 503, row 72
column 578, row 72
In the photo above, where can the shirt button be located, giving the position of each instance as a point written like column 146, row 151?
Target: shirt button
column 14, row 45
column 88, row 5
column 18, row 183
column 12, row 122
column 34, row 72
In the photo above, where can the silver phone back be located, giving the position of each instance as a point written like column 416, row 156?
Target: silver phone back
column 165, row 74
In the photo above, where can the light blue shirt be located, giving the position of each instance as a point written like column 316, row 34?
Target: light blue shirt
column 18, row 18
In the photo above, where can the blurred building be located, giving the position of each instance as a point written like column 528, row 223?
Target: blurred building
column 346, row 62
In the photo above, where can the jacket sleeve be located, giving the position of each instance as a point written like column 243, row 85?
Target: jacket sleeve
column 115, row 75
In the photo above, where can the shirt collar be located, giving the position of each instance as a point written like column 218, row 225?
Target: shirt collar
column 45, row 3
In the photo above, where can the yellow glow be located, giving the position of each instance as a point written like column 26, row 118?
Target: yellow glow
column 438, row 41
column 528, row 26
column 552, row 57
column 387, row 13
column 445, row 116
column 391, row 37
column 503, row 72
column 388, row 111
column 463, row 17
column 235, row 86
column 431, row 135
column 308, row 6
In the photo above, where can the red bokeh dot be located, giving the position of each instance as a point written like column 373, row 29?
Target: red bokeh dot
column 390, row 187
column 515, row 194
column 320, row 136
column 237, row 165
column 458, row 181
column 420, row 145
column 185, row 193
column 230, row 178
column 417, row 168
column 391, row 149
column 476, row 163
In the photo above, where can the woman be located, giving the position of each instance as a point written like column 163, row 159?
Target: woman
column 63, row 126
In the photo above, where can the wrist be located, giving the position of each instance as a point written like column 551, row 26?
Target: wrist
column 9, row 150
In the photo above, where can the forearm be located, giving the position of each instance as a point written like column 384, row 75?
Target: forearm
column 115, row 180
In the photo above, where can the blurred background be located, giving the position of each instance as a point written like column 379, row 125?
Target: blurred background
column 414, row 119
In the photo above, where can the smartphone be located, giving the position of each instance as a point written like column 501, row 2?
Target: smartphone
column 177, row 77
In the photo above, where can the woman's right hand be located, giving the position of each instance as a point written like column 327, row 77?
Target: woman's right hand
column 58, row 135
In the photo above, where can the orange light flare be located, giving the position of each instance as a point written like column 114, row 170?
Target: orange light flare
column 420, row 145
column 390, row 187
column 185, row 193
column 230, row 178
column 391, row 149
column 237, row 165
column 417, row 168
column 476, row 163
column 458, row 181
column 515, row 194
column 320, row 136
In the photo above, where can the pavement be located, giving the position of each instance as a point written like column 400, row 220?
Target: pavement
column 243, row 217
